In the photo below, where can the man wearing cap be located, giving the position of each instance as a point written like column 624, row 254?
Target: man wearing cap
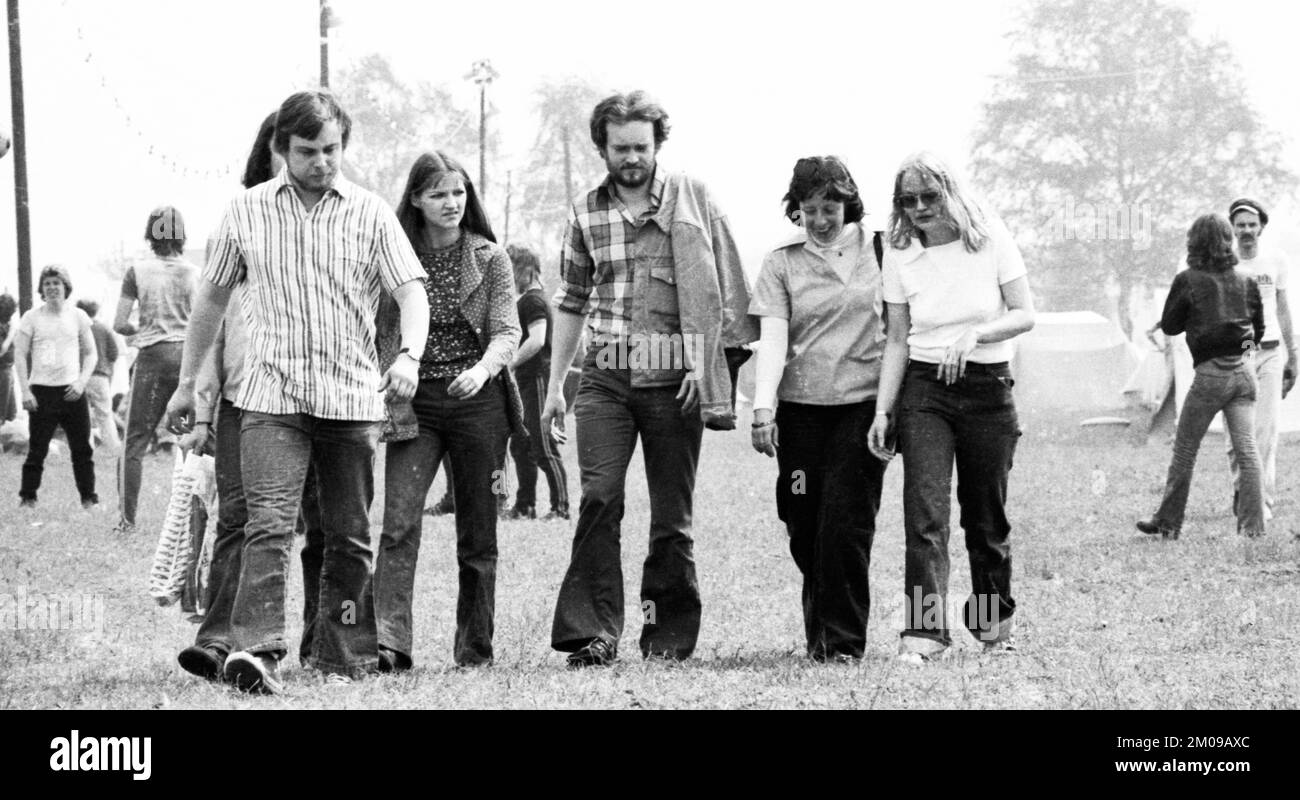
column 1275, row 360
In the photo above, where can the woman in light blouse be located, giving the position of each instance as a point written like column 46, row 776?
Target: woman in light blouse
column 819, row 301
column 956, row 293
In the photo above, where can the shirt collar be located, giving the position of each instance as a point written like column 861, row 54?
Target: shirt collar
column 657, row 182
column 343, row 187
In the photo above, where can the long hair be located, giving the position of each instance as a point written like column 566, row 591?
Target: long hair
column 1209, row 244
column 828, row 174
column 528, row 270
column 427, row 170
column 631, row 107
column 961, row 206
column 258, row 168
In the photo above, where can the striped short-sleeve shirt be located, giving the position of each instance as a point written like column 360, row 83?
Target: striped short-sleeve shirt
column 312, row 282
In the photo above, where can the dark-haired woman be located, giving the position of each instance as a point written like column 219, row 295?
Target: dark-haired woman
column 819, row 301
column 1222, row 313
column 956, row 293
column 163, row 286
column 465, row 405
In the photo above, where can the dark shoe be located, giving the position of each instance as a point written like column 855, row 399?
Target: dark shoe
column 393, row 661
column 90, row 502
column 444, row 506
column 555, row 514
column 1151, row 528
column 206, row 662
column 596, row 653
column 521, row 512
column 255, row 673
column 27, row 502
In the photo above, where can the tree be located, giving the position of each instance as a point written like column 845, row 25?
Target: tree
column 1114, row 130
column 563, row 162
column 393, row 122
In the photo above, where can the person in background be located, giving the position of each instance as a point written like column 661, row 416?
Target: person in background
column 532, row 369
column 1275, row 360
column 163, row 288
column 818, row 299
column 1220, row 310
column 8, row 405
column 55, row 354
column 956, row 293
column 465, row 406
column 98, row 390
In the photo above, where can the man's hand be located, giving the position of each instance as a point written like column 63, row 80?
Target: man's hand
column 180, row 410
column 553, row 411
column 469, row 383
column 74, row 390
column 29, row 402
column 199, row 440
column 689, row 394
column 878, row 438
column 401, row 379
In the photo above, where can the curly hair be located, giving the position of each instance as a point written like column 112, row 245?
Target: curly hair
column 631, row 107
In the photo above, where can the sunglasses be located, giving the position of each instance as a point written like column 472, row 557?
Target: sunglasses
column 910, row 201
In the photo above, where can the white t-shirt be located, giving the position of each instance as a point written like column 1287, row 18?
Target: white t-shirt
column 1269, row 269
column 948, row 290
column 53, row 344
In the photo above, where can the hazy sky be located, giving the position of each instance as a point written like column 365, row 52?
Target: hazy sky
column 750, row 87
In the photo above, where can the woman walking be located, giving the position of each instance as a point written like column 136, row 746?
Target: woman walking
column 465, row 405
column 819, row 301
column 956, row 292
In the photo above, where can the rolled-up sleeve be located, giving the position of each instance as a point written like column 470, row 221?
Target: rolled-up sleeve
column 577, row 270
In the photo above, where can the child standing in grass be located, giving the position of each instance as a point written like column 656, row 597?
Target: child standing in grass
column 1221, row 311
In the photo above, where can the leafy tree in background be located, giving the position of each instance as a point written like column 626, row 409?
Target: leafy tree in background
column 1114, row 116
column 393, row 122
column 562, row 166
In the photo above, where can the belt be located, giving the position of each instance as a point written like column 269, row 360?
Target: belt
column 971, row 366
column 1270, row 345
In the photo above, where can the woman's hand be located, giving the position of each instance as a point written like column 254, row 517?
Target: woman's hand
column 953, row 366
column 763, row 435
column 878, row 437
column 469, row 382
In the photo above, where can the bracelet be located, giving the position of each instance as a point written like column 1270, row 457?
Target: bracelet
column 758, row 426
column 882, row 413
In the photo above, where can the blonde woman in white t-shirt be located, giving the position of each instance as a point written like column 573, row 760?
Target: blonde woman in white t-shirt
column 956, row 293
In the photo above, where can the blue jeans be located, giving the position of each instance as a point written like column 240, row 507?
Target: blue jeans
column 828, row 493
column 973, row 424
column 1228, row 385
column 610, row 416
column 472, row 433
column 232, row 515
column 154, row 378
column 275, row 453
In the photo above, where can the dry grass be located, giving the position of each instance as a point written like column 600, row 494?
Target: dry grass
column 1107, row 618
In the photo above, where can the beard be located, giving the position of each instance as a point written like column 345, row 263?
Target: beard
column 632, row 178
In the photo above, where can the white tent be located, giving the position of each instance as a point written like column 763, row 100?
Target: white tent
column 1073, row 359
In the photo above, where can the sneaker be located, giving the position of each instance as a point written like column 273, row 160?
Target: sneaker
column 255, row 673
column 520, row 512
column 206, row 662
column 1151, row 527
column 917, row 650
column 596, row 653
column 124, row 528
column 27, row 502
column 336, row 679
column 555, row 514
column 90, row 503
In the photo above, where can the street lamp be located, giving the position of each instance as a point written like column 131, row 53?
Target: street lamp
column 482, row 74
column 328, row 19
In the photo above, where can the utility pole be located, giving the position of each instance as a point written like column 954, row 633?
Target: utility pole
column 482, row 74
column 20, row 161
column 327, row 20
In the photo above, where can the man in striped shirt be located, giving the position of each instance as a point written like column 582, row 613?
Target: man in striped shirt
column 313, row 252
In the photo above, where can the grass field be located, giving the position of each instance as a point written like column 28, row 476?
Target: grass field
column 1107, row 618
